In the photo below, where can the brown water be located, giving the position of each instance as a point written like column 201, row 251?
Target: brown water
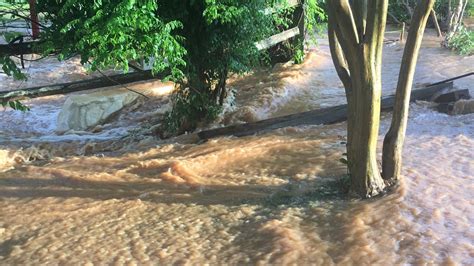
column 271, row 198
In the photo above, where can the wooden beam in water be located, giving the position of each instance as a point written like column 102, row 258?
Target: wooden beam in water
column 329, row 115
column 82, row 85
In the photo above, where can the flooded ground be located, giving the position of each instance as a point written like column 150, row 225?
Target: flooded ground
column 271, row 198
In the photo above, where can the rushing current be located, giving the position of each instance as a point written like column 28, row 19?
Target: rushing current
column 272, row 198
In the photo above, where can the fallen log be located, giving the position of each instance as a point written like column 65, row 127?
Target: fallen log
column 329, row 115
column 82, row 85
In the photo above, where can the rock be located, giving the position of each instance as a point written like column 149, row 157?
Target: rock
column 463, row 107
column 82, row 112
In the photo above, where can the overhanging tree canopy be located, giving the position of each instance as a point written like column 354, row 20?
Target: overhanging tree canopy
column 198, row 41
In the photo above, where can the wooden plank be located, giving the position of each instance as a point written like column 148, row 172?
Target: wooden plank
column 393, row 31
column 277, row 38
column 315, row 117
column 82, row 85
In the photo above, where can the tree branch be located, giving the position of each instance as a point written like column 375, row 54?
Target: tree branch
column 360, row 16
column 395, row 19
column 344, row 18
column 338, row 58
column 393, row 142
column 25, row 18
column 375, row 30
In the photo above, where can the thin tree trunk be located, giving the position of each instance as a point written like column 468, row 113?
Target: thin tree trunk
column 35, row 30
column 435, row 21
column 455, row 19
column 393, row 142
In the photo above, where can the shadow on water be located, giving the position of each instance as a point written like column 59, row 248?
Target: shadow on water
column 300, row 214
column 296, row 193
column 317, row 202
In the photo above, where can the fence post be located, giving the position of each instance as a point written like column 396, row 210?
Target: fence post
column 402, row 33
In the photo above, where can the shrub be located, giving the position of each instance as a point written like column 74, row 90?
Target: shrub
column 462, row 41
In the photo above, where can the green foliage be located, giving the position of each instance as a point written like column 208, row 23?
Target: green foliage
column 7, row 10
column 190, row 109
column 219, row 37
column 470, row 9
column 9, row 67
column 298, row 56
column 399, row 10
column 462, row 41
column 344, row 160
column 198, row 42
column 110, row 33
column 15, row 105
column 315, row 16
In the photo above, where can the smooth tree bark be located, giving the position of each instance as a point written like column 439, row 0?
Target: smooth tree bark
column 356, row 31
column 393, row 142
column 356, row 38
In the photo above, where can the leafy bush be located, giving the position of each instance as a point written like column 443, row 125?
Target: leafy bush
column 220, row 38
column 189, row 109
column 462, row 41
column 111, row 33
column 398, row 9
column 470, row 9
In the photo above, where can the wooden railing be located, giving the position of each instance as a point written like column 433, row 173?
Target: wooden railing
column 298, row 30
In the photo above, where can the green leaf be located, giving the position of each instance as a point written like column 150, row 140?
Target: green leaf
column 344, row 161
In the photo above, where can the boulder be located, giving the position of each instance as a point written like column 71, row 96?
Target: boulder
column 85, row 111
column 463, row 107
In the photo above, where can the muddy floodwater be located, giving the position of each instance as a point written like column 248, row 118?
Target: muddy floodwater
column 273, row 198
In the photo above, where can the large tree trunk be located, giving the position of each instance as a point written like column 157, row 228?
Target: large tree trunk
column 356, row 39
column 393, row 142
